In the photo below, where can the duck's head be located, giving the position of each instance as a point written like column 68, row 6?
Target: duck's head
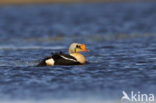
column 76, row 48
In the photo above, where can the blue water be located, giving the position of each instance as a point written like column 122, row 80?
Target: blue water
column 121, row 39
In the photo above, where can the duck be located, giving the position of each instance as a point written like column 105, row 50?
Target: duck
column 73, row 58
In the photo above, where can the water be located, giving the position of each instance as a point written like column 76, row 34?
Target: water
column 121, row 39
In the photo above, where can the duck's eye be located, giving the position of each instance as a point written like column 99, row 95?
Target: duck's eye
column 77, row 46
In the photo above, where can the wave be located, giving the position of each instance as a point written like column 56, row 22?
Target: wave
column 10, row 47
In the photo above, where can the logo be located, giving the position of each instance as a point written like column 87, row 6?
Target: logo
column 137, row 97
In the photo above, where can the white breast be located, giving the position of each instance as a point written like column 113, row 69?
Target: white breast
column 79, row 57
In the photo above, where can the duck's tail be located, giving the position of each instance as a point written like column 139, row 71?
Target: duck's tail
column 42, row 62
column 53, row 55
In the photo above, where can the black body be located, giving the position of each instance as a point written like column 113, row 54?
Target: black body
column 60, row 59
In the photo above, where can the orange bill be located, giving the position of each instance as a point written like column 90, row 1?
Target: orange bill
column 83, row 47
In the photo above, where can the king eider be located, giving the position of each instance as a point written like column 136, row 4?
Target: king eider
column 74, row 57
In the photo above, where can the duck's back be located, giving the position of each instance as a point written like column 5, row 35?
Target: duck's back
column 64, row 59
